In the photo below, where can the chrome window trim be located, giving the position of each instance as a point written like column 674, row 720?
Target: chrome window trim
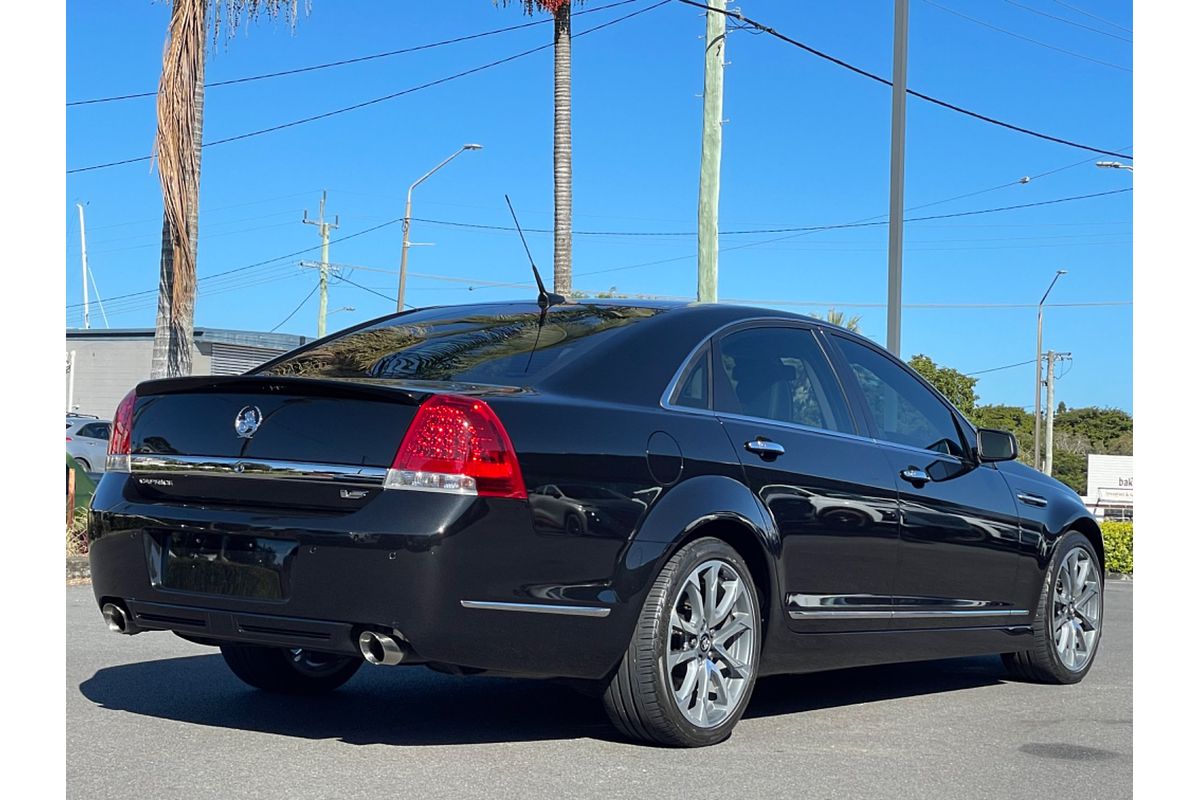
column 538, row 608
column 666, row 404
column 256, row 468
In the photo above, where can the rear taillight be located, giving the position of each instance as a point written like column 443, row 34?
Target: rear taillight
column 120, row 442
column 457, row 445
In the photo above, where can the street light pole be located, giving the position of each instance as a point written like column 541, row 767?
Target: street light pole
column 1037, row 387
column 896, row 208
column 408, row 220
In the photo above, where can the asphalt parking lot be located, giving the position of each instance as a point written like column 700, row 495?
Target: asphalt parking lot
column 155, row 716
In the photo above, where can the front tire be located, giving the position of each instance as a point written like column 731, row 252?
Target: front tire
column 289, row 671
column 690, row 668
column 1069, row 617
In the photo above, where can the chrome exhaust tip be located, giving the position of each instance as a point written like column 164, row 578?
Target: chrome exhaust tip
column 118, row 620
column 380, row 649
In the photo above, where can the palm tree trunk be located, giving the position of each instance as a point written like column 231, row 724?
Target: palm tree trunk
column 180, row 130
column 562, row 149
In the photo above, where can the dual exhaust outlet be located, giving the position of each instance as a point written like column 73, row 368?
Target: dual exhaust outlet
column 382, row 649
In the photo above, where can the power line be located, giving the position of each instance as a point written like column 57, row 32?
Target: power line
column 1027, row 38
column 392, row 299
column 880, row 79
column 997, row 369
column 428, row 84
column 307, row 297
column 207, row 280
column 804, row 228
column 1068, row 21
column 1093, row 16
column 256, row 264
column 357, row 60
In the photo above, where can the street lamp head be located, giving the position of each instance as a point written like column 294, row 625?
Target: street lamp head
column 472, row 147
column 1061, row 272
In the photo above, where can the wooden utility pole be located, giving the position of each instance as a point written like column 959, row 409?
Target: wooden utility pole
column 710, row 152
column 323, row 228
column 896, row 208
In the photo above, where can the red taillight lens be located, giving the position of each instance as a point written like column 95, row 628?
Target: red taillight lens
column 457, row 444
column 120, row 441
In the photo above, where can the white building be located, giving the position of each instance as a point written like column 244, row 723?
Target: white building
column 1110, row 487
column 103, row 364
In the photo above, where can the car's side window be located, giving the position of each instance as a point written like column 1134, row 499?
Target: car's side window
column 903, row 409
column 693, row 388
column 781, row 373
column 91, row 431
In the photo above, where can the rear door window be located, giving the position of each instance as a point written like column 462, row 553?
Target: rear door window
column 781, row 373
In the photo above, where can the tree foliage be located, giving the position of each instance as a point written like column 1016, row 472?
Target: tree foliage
column 958, row 388
column 836, row 317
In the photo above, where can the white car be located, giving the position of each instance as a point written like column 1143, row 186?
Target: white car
column 87, row 441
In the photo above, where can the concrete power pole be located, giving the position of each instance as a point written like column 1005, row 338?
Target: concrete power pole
column 1050, row 412
column 710, row 153
column 896, row 208
column 323, row 228
column 83, row 257
column 1051, row 357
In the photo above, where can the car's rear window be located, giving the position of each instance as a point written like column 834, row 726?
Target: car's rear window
column 501, row 345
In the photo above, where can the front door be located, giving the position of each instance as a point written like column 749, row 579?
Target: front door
column 959, row 530
column 829, row 490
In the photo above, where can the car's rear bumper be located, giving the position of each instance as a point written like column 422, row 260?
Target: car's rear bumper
column 534, row 605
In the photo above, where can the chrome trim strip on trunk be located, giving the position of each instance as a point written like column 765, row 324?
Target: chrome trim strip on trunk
column 256, row 468
column 538, row 608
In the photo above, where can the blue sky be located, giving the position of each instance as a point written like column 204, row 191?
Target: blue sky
column 806, row 143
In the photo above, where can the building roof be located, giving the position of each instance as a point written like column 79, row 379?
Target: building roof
column 275, row 341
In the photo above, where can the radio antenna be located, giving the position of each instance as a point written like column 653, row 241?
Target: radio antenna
column 545, row 299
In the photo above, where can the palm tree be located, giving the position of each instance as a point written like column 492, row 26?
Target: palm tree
column 839, row 318
column 177, row 147
column 561, row 9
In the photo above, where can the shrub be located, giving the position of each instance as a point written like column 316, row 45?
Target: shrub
column 77, row 541
column 1118, row 546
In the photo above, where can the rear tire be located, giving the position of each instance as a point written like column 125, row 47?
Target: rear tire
column 690, row 669
column 286, row 671
column 1069, row 617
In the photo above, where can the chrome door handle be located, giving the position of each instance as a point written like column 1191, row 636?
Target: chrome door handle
column 1032, row 500
column 765, row 448
column 916, row 476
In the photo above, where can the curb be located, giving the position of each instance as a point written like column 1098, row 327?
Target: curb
column 78, row 568
column 1118, row 576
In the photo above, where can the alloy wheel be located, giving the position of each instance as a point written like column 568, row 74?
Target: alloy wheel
column 1075, row 624
column 710, row 647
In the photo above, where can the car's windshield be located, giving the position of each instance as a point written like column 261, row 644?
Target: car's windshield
column 488, row 345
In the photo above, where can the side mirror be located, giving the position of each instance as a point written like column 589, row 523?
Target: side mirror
column 996, row 445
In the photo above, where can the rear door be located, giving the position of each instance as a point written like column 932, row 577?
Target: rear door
column 959, row 530
column 828, row 488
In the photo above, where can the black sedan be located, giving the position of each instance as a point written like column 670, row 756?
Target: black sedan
column 750, row 492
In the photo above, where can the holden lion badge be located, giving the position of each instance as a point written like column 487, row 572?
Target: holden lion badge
column 247, row 421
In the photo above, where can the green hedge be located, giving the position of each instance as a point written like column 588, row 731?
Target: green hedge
column 1118, row 546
